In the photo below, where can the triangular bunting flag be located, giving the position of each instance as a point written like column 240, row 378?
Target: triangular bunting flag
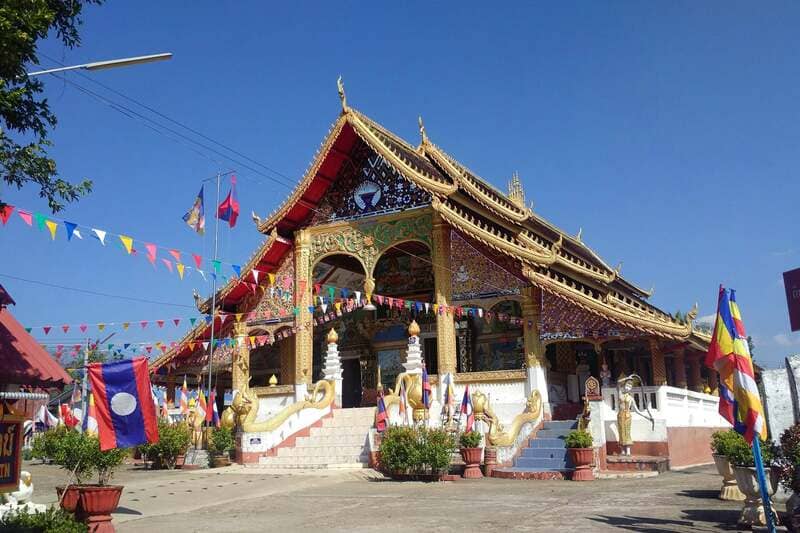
column 65, row 328
column 101, row 327
column 176, row 254
column 83, row 328
column 151, row 252
column 52, row 226
column 217, row 267
column 198, row 261
column 126, row 325
column 28, row 329
column 101, row 235
column 254, row 272
column 180, row 268
column 237, row 270
column 271, row 278
column 127, row 242
column 176, row 321
column 168, row 264
column 160, row 323
column 192, row 321
column 70, row 227
column 47, row 329
column 143, row 323
column 202, row 274
column 40, row 220
column 5, row 213
column 25, row 216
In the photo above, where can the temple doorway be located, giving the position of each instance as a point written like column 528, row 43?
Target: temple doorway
column 351, row 383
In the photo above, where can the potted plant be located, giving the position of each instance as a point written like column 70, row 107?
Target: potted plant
column 471, row 453
column 219, row 447
column 581, row 454
column 741, row 457
column 53, row 519
column 789, row 472
column 173, row 441
column 722, row 442
column 80, row 455
column 409, row 453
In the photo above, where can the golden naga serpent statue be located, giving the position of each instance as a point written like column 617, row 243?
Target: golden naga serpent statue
column 480, row 405
column 244, row 409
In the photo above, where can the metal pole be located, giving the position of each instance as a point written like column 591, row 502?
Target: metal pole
column 213, row 290
column 85, row 384
column 762, row 483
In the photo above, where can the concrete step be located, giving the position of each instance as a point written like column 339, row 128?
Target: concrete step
column 536, row 463
column 552, row 433
column 338, row 431
column 301, row 462
column 547, row 442
column 545, row 453
column 560, row 424
column 321, row 451
column 331, row 440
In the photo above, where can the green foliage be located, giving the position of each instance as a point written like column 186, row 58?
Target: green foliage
column 79, row 453
column 741, row 454
column 23, row 112
column 173, row 440
column 53, row 520
column 417, row 450
column 723, row 442
column 789, row 462
column 470, row 439
column 578, row 438
column 222, row 441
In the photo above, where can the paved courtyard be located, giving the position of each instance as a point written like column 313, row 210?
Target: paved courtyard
column 238, row 499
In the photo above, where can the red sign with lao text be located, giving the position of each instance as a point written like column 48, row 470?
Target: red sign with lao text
column 791, row 280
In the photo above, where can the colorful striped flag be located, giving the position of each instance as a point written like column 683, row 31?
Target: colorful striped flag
column 228, row 210
column 466, row 408
column 426, row 389
column 381, row 417
column 195, row 217
column 184, row 398
column 729, row 355
column 403, row 408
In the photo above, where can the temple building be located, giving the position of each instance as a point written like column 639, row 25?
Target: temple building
column 380, row 235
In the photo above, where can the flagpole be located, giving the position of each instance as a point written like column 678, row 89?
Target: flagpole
column 762, row 483
column 213, row 288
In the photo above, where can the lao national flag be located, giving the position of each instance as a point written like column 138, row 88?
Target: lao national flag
column 381, row 418
column 228, row 210
column 466, row 408
column 126, row 415
column 214, row 411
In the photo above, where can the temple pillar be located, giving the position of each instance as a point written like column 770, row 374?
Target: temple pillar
column 304, row 336
column 695, row 377
column 679, row 361
column 171, row 378
column 445, row 325
column 657, row 361
column 332, row 371
column 286, row 353
column 535, row 361
column 240, row 365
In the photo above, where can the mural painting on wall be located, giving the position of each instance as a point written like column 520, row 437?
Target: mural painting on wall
column 368, row 185
column 391, row 365
column 329, row 274
column 475, row 275
column 500, row 354
column 403, row 275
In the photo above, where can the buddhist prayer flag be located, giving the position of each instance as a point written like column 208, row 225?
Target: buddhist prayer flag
column 202, row 408
column 466, row 409
column 403, row 408
column 90, row 420
column 126, row 416
column 729, row 355
column 426, row 389
column 382, row 416
column 228, row 210
column 195, row 218
column 184, row 402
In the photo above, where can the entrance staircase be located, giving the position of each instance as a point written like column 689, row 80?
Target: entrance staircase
column 341, row 442
column 545, row 456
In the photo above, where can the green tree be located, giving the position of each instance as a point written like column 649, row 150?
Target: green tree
column 24, row 113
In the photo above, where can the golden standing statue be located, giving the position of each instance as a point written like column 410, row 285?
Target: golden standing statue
column 627, row 406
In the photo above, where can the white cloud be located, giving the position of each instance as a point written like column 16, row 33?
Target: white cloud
column 707, row 320
column 782, row 339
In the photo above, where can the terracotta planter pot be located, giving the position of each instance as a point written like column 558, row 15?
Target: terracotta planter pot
column 96, row 504
column 489, row 460
column 729, row 490
column 70, row 500
column 582, row 459
column 472, row 459
column 179, row 460
column 753, row 510
column 221, row 460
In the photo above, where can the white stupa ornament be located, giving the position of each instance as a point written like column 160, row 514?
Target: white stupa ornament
column 332, row 366
column 414, row 363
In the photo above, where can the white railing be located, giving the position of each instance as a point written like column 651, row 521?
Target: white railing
column 677, row 407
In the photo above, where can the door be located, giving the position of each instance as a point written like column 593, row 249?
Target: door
column 351, row 383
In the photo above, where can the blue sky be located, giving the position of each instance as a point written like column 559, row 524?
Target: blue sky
column 667, row 131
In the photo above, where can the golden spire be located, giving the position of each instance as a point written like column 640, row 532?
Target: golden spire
column 342, row 95
column 379, row 384
column 422, row 133
column 515, row 191
column 332, row 337
column 413, row 329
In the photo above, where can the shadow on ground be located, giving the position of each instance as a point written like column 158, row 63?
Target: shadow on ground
column 697, row 520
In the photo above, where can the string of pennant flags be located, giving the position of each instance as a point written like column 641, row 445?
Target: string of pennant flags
column 174, row 260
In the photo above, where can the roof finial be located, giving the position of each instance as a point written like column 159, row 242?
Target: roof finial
column 515, row 192
column 342, row 95
column 578, row 236
column 618, row 269
column 422, row 131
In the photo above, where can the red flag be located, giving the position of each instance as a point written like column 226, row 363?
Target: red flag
column 228, row 210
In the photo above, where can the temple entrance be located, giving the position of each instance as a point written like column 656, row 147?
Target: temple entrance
column 351, row 383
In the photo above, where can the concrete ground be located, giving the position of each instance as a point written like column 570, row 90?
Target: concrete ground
column 238, row 499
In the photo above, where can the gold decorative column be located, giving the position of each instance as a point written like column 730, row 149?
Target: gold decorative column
column 657, row 361
column 535, row 360
column 679, row 362
column 695, row 377
column 445, row 326
column 171, row 389
column 304, row 338
column 240, row 365
column 286, row 350
column 531, row 317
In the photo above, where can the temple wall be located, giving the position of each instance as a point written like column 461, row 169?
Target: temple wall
column 779, row 392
